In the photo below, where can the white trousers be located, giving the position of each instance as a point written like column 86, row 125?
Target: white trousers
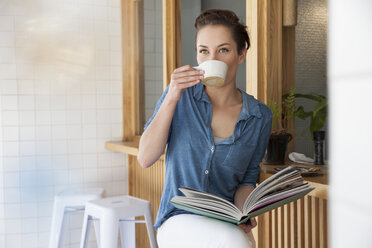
column 194, row 231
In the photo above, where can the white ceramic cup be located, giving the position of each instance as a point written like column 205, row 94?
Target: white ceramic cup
column 214, row 72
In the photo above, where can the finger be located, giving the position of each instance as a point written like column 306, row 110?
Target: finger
column 183, row 68
column 253, row 222
column 187, row 79
column 186, row 74
column 189, row 84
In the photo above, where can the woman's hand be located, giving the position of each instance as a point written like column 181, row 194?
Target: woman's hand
column 249, row 226
column 182, row 78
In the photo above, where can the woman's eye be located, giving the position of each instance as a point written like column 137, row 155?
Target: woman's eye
column 224, row 50
column 203, row 51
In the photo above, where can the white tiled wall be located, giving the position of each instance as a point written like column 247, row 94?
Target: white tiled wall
column 153, row 54
column 350, row 71
column 60, row 100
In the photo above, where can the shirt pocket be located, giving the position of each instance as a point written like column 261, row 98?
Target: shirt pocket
column 235, row 157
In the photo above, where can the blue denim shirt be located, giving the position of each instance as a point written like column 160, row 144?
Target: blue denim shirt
column 193, row 160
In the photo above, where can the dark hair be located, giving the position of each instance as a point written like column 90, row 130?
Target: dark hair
column 226, row 18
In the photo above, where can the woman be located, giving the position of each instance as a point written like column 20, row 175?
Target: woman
column 215, row 138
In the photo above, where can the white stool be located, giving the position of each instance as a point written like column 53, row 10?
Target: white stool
column 116, row 213
column 67, row 202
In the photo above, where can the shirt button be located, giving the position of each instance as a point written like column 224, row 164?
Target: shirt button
column 206, row 172
column 212, row 149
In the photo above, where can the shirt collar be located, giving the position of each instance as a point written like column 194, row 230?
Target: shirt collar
column 250, row 105
column 198, row 92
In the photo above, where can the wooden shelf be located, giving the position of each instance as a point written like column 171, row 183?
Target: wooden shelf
column 127, row 147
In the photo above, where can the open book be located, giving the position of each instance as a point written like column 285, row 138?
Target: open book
column 279, row 189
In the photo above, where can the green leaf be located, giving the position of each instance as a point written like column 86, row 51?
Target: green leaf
column 321, row 106
column 317, row 121
column 300, row 113
column 318, row 115
column 316, row 98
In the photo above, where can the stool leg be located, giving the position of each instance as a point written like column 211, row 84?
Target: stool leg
column 128, row 233
column 85, row 231
column 150, row 227
column 97, row 231
column 58, row 226
column 109, row 230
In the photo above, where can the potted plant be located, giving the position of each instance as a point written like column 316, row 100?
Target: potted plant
column 318, row 118
column 280, row 137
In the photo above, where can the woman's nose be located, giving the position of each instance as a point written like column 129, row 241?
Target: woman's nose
column 213, row 56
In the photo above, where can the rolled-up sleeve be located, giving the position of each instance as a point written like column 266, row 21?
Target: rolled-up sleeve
column 158, row 104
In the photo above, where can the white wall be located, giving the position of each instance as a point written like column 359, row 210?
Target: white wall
column 60, row 100
column 153, row 54
column 350, row 74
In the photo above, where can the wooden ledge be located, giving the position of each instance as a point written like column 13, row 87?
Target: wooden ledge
column 127, row 147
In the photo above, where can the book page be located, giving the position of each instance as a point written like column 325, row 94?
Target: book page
column 270, row 179
column 276, row 196
column 207, row 204
column 261, row 189
column 274, row 205
column 205, row 212
column 204, row 195
column 287, row 181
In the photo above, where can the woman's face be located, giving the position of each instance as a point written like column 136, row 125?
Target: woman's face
column 215, row 42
